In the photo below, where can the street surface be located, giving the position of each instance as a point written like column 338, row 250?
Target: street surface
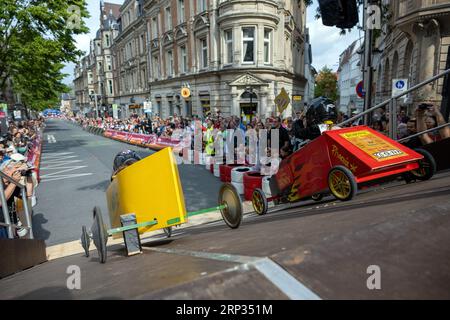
column 308, row 251
column 75, row 170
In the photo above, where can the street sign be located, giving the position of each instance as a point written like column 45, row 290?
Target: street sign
column 148, row 107
column 282, row 101
column 185, row 93
column 17, row 114
column 360, row 90
column 297, row 98
column 399, row 86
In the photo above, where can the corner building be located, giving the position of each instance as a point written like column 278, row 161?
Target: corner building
column 234, row 55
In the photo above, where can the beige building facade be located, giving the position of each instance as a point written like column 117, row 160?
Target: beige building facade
column 415, row 48
column 94, row 73
column 234, row 56
column 130, row 60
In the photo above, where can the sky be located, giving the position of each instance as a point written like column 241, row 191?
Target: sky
column 327, row 43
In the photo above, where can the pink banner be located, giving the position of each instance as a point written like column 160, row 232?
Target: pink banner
column 141, row 139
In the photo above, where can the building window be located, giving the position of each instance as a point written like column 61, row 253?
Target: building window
column 181, row 11
column 168, row 19
column 107, row 40
column 228, row 35
column 143, row 79
column 201, row 6
column 204, row 53
column 169, row 63
column 248, row 44
column 109, row 63
column 155, row 27
column 267, row 46
column 141, row 44
column 110, row 86
column 156, row 68
column 183, row 58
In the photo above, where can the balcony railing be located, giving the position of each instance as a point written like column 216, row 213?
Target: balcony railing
column 408, row 7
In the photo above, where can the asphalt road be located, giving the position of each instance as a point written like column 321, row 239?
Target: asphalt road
column 327, row 250
column 75, row 170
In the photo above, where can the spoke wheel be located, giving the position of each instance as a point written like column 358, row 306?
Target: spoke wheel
column 259, row 202
column 342, row 183
column 168, row 232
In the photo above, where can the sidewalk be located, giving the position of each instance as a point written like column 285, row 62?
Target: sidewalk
column 74, row 247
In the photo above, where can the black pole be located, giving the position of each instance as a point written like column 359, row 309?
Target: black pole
column 445, row 106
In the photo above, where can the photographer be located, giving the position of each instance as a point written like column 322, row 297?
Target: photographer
column 14, row 171
column 428, row 117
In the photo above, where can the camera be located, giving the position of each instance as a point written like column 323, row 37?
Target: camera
column 424, row 106
column 26, row 173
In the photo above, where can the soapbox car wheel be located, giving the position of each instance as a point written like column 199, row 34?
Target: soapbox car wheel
column 168, row 232
column 232, row 211
column 259, row 202
column 317, row 197
column 85, row 240
column 342, row 183
column 426, row 170
column 99, row 235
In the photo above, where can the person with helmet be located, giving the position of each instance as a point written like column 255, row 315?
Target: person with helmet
column 320, row 116
column 124, row 159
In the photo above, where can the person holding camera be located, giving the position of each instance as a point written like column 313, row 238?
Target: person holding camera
column 429, row 117
column 15, row 171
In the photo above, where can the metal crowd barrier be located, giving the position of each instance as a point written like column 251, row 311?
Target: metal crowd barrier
column 10, row 226
column 393, row 106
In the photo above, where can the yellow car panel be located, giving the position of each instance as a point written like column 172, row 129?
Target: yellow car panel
column 150, row 189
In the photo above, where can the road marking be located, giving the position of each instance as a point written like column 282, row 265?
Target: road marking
column 56, row 166
column 68, row 176
column 51, row 138
column 279, row 277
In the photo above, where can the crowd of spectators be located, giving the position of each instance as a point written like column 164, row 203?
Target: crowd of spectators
column 15, row 144
column 426, row 116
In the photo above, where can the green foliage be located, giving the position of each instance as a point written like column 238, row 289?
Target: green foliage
column 36, row 40
column 326, row 84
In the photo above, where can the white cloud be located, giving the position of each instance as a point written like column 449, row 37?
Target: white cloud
column 83, row 42
column 327, row 43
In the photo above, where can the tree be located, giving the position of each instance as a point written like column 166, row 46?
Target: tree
column 36, row 40
column 326, row 84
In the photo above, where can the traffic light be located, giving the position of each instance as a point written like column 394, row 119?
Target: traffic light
column 340, row 13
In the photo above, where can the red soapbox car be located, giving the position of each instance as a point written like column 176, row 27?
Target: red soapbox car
column 338, row 162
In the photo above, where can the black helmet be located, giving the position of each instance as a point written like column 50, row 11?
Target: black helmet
column 320, row 110
column 125, row 158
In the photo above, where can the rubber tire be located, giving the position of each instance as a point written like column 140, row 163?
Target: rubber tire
column 239, row 187
column 428, row 158
column 252, row 181
column 265, row 204
column 237, row 174
column 85, row 241
column 102, row 235
column 350, row 177
column 317, row 197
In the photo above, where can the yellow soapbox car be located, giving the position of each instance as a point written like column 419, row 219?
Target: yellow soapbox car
column 147, row 196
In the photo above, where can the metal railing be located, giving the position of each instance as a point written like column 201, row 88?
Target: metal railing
column 10, row 226
column 393, row 106
column 423, row 132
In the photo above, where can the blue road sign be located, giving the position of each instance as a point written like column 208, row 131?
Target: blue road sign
column 400, row 84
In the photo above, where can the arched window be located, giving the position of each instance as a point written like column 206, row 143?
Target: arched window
column 249, row 95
